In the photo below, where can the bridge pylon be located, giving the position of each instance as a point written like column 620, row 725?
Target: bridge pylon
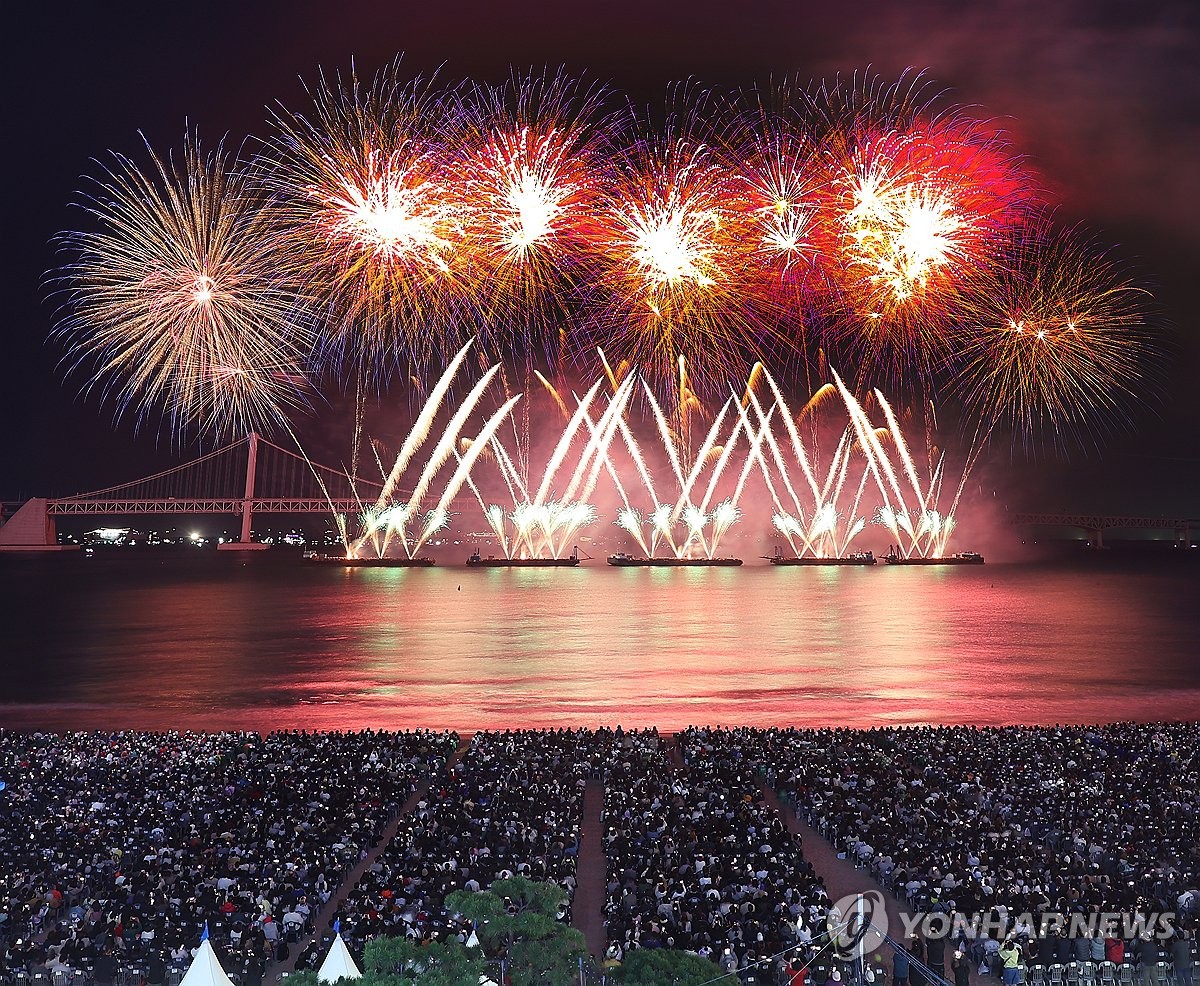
column 245, row 543
column 31, row 529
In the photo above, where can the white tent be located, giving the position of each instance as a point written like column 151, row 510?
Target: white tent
column 205, row 970
column 338, row 964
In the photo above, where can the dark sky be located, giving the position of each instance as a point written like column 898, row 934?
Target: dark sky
column 1103, row 96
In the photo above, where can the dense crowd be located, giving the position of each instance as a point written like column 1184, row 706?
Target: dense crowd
column 698, row 860
column 1007, row 823
column 512, row 806
column 117, row 849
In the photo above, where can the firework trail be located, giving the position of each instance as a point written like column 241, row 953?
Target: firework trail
column 420, row 429
column 439, row 516
column 387, row 520
column 174, row 302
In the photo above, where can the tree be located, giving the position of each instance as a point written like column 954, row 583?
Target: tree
column 517, row 920
column 399, row 962
column 664, row 967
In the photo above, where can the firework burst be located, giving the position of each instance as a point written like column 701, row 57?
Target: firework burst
column 357, row 194
column 777, row 163
column 673, row 234
column 873, row 223
column 529, row 180
column 1062, row 340
column 920, row 198
column 173, row 301
column 922, row 215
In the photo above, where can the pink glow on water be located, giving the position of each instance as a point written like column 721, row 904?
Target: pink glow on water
column 279, row 646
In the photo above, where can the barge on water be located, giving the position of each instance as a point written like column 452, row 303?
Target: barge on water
column 962, row 558
column 622, row 560
column 345, row 562
column 491, row 561
column 854, row 558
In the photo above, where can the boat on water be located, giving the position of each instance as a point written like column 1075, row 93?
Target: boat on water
column 491, row 561
column 961, row 558
column 341, row 560
column 623, row 560
column 854, row 558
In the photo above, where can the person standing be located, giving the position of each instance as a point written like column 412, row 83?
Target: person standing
column 1010, row 955
column 900, row 967
column 935, row 956
column 105, row 969
column 960, row 965
column 916, row 974
column 1181, row 957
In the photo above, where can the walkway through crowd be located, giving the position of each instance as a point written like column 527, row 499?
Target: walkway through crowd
column 321, row 920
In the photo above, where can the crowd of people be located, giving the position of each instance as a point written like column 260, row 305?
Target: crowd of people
column 512, row 806
column 118, row 849
column 698, row 860
column 1021, row 824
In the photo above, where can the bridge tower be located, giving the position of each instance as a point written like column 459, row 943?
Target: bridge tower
column 245, row 543
column 32, row 528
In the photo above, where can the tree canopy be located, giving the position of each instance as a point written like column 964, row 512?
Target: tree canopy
column 664, row 967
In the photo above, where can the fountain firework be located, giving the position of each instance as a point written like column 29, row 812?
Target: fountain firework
column 396, row 519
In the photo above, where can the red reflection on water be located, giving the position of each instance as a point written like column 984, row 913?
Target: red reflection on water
column 456, row 648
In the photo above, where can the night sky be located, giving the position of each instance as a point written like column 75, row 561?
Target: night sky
column 1103, row 97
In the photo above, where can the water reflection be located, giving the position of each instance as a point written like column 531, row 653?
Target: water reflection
column 204, row 644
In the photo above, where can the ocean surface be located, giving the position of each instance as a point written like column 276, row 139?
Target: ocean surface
column 197, row 639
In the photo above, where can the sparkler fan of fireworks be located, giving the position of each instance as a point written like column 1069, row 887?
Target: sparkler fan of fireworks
column 1062, row 340
column 174, row 303
column 403, row 519
column 357, row 195
column 914, row 506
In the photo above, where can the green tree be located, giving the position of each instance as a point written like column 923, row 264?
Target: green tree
column 517, row 920
column 664, row 967
column 399, row 962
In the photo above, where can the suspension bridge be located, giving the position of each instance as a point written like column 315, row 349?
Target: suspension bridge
column 247, row 477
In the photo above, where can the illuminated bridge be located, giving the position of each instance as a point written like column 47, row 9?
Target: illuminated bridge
column 246, row 477
column 1094, row 525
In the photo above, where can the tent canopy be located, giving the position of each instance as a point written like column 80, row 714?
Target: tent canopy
column 205, row 970
column 338, row 964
